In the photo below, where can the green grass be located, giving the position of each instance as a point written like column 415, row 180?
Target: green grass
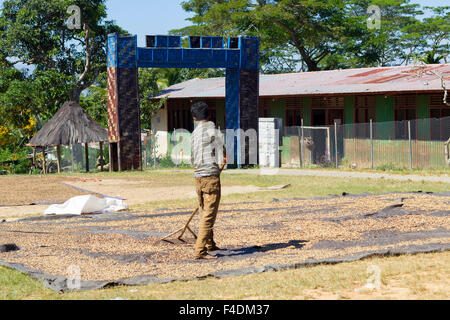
column 421, row 276
column 300, row 186
column 16, row 285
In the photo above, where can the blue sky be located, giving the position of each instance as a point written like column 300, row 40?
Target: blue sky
column 143, row 17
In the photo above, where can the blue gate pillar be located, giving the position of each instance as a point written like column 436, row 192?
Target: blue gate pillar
column 124, row 128
column 241, row 98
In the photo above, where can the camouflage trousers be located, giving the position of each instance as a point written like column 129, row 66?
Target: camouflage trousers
column 208, row 192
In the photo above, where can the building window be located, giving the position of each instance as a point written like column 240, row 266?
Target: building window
column 328, row 102
column 439, row 118
column 327, row 110
column 364, row 112
column 179, row 115
column 405, row 110
column 293, row 111
column 180, row 119
column 293, row 117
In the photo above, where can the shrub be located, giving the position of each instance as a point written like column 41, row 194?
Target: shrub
column 14, row 162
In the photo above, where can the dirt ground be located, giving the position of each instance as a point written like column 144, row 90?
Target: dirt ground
column 135, row 192
column 31, row 195
column 254, row 237
column 26, row 190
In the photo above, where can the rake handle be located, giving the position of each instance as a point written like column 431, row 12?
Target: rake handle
column 187, row 223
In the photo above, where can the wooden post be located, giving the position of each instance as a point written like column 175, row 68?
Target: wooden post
column 110, row 157
column 34, row 166
column 86, row 149
column 44, row 163
column 71, row 152
column 101, row 156
column 58, row 157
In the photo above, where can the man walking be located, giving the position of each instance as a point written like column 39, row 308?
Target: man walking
column 207, row 147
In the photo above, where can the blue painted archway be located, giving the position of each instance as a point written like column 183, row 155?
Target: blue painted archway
column 240, row 59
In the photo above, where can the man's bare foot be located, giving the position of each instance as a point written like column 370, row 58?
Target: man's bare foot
column 206, row 257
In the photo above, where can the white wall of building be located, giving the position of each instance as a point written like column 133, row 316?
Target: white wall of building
column 160, row 128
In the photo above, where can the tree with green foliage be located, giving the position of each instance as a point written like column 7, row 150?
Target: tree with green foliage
column 65, row 62
column 35, row 32
column 385, row 45
column 315, row 35
column 43, row 62
column 435, row 33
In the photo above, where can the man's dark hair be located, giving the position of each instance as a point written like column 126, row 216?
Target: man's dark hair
column 199, row 110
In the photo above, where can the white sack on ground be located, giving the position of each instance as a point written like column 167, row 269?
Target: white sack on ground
column 86, row 204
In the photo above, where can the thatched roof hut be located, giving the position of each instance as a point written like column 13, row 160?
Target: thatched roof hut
column 70, row 125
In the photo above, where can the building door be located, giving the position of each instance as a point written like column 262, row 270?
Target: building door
column 326, row 117
column 336, row 115
column 319, row 117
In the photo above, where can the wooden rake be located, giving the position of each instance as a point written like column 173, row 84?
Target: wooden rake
column 186, row 226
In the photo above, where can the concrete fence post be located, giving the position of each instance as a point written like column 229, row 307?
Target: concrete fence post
column 302, row 144
column 300, row 153
column 371, row 144
column 410, row 144
column 335, row 143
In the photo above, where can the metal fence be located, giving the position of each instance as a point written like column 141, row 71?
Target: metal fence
column 413, row 144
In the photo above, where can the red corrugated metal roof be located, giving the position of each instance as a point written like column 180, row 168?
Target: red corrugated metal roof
column 348, row 81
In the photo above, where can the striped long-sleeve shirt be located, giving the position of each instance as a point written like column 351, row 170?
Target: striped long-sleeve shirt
column 207, row 147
